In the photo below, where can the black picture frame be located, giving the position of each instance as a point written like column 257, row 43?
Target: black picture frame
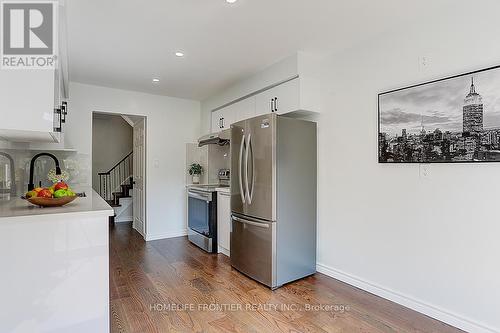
column 382, row 160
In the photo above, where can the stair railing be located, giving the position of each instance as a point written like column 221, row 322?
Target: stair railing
column 111, row 181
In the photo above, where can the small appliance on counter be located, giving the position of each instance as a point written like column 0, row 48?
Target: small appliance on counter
column 224, row 177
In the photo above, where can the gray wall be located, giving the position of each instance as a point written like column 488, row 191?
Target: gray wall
column 112, row 139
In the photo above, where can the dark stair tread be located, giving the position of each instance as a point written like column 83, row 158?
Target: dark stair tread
column 121, row 195
column 112, row 203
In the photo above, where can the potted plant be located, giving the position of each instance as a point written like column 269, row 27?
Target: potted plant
column 195, row 171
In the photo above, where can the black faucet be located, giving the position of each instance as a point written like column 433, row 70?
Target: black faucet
column 31, row 186
column 12, row 173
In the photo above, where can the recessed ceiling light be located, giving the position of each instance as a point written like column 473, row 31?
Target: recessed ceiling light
column 156, row 80
column 231, row 1
column 179, row 54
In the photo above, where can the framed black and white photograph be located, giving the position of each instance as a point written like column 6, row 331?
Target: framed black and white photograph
column 455, row 119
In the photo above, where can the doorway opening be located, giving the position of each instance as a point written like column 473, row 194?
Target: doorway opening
column 118, row 165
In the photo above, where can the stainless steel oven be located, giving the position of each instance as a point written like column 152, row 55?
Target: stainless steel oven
column 202, row 217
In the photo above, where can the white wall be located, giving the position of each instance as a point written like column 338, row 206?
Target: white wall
column 431, row 243
column 112, row 140
column 171, row 122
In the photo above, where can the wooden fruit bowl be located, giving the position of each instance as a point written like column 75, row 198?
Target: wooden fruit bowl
column 51, row 202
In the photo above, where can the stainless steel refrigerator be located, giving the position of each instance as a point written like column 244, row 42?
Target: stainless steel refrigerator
column 273, row 198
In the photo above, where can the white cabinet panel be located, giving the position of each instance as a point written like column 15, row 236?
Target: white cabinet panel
column 265, row 102
column 228, row 117
column 223, row 118
column 216, row 121
column 245, row 109
column 281, row 99
column 27, row 98
column 223, row 222
column 288, row 97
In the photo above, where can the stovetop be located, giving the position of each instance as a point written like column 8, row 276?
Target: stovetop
column 207, row 187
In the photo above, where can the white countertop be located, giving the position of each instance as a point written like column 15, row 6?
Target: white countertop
column 92, row 203
column 224, row 190
column 217, row 187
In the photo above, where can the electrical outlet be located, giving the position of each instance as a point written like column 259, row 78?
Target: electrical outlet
column 424, row 63
column 424, row 171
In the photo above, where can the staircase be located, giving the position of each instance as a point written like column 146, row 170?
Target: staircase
column 115, row 186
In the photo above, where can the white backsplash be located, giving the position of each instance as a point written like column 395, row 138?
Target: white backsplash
column 76, row 165
column 195, row 154
column 211, row 158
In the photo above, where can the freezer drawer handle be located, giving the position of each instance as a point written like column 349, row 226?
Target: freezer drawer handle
column 256, row 224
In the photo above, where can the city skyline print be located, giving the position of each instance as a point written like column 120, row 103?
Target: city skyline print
column 455, row 119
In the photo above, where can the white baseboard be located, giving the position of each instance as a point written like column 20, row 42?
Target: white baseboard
column 407, row 301
column 124, row 219
column 138, row 229
column 173, row 234
column 224, row 251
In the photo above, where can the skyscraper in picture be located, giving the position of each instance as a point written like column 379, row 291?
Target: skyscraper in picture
column 473, row 111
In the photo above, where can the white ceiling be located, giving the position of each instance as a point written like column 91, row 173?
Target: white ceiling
column 125, row 43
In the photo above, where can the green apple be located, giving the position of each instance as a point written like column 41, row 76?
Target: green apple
column 31, row 194
column 60, row 193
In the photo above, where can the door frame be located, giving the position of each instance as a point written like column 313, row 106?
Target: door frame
column 144, row 181
column 145, row 173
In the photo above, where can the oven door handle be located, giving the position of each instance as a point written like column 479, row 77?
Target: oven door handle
column 195, row 195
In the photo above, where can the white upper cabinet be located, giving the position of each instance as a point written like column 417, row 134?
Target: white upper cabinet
column 289, row 87
column 31, row 99
column 296, row 95
column 222, row 119
column 27, row 103
column 282, row 99
column 216, row 121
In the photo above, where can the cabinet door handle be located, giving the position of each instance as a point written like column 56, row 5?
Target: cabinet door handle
column 64, row 110
column 223, row 123
column 220, row 123
column 276, row 104
column 272, row 104
column 58, row 125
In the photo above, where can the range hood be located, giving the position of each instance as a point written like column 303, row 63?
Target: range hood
column 222, row 138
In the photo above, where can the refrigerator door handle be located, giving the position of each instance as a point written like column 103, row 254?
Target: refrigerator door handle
column 251, row 188
column 242, row 193
column 256, row 224
column 247, row 150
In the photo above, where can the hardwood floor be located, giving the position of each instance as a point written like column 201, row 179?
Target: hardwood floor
column 172, row 286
